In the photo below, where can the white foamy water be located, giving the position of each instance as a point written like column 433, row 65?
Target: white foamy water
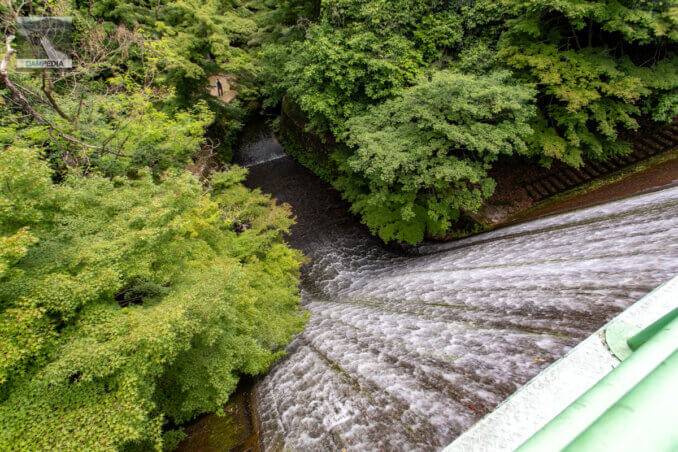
column 259, row 146
column 406, row 353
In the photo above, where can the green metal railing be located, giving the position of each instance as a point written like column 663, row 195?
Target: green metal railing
column 645, row 419
column 639, row 339
column 634, row 407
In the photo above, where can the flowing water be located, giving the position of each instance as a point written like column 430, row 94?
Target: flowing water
column 406, row 352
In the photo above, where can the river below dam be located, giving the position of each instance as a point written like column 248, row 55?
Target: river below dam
column 405, row 352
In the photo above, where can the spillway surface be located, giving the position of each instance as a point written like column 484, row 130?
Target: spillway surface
column 405, row 353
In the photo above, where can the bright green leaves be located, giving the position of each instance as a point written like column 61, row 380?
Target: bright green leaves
column 592, row 99
column 335, row 73
column 25, row 189
column 662, row 81
column 636, row 22
column 133, row 295
column 128, row 128
column 598, row 66
column 418, row 154
column 14, row 247
column 440, row 30
column 434, row 29
column 197, row 36
column 420, row 159
column 183, row 42
column 142, row 301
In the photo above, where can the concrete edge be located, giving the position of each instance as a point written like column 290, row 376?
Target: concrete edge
column 537, row 402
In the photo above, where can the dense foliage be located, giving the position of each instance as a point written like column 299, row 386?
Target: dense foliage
column 593, row 69
column 139, row 279
column 338, row 73
column 128, row 303
column 422, row 157
column 598, row 66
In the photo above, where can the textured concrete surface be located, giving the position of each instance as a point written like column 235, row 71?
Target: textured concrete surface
column 550, row 392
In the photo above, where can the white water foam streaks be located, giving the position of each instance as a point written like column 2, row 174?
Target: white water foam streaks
column 405, row 353
column 259, row 146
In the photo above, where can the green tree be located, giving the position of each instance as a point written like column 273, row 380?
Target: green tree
column 114, row 133
column 598, row 65
column 127, row 303
column 133, row 295
column 419, row 160
column 336, row 74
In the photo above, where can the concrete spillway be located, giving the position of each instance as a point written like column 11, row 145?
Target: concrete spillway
column 406, row 353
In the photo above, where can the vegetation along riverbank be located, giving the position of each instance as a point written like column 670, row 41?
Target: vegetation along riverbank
column 134, row 293
column 429, row 99
column 140, row 280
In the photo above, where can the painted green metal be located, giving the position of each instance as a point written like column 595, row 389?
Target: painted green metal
column 617, row 336
column 644, row 419
column 582, row 413
column 639, row 339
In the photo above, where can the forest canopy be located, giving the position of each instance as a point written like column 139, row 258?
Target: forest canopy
column 594, row 69
column 139, row 278
column 422, row 157
column 128, row 303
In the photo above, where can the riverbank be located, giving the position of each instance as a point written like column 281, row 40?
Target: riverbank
column 236, row 429
column 524, row 191
column 657, row 172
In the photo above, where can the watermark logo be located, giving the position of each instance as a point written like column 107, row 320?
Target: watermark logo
column 43, row 43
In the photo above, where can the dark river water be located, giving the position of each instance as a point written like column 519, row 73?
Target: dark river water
column 406, row 352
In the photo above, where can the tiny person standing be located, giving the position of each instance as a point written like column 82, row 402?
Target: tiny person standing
column 220, row 89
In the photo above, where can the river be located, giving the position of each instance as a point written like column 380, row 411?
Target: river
column 406, row 352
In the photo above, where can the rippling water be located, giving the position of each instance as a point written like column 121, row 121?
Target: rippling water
column 405, row 353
